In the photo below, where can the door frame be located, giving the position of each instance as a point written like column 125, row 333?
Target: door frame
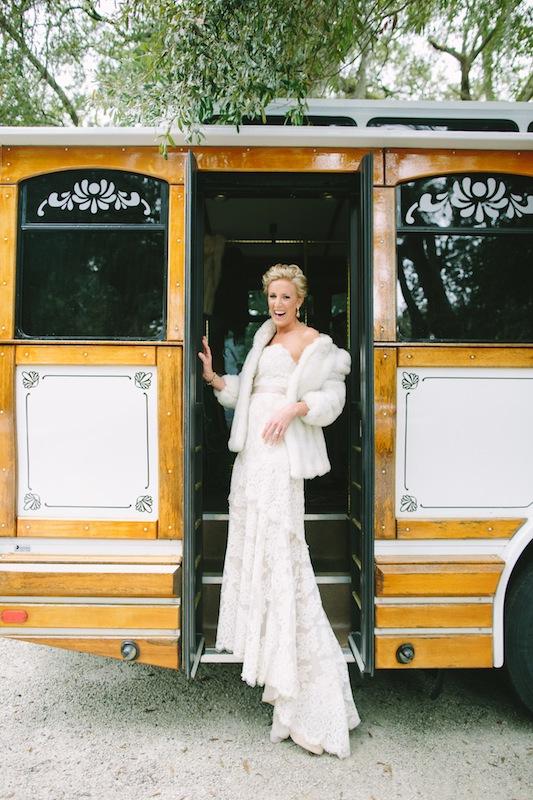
column 360, row 253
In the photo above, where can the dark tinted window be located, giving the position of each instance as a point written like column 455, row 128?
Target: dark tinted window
column 443, row 124
column 530, row 126
column 92, row 256
column 465, row 257
column 316, row 120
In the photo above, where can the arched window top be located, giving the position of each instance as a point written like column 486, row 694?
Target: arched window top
column 93, row 197
column 476, row 200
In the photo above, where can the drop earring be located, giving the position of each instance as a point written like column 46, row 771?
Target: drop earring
column 298, row 312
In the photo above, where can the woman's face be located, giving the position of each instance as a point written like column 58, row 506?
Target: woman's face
column 283, row 302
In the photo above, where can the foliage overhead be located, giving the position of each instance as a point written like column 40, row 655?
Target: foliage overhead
column 182, row 62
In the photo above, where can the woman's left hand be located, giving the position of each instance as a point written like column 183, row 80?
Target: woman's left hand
column 274, row 430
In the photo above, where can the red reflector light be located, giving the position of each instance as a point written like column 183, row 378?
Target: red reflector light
column 13, row 615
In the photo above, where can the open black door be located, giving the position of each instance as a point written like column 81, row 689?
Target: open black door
column 361, row 494
column 192, row 641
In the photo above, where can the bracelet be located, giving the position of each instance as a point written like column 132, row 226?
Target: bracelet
column 208, row 383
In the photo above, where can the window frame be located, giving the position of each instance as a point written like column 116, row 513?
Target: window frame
column 23, row 226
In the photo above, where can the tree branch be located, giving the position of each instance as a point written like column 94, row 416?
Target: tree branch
column 526, row 92
column 41, row 68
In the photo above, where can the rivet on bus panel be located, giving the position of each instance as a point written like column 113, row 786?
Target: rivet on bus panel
column 472, row 355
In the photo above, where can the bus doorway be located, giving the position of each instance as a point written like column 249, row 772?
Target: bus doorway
column 249, row 221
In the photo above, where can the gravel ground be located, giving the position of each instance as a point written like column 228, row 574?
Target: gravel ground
column 78, row 726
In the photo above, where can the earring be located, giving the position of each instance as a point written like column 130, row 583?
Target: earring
column 298, row 312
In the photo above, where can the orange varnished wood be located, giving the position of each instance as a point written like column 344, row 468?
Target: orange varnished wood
column 402, row 165
column 176, row 266
column 62, row 558
column 169, row 371
column 435, row 615
column 20, row 162
column 426, row 576
column 8, row 259
column 465, row 356
column 162, row 651
column 436, row 651
column 7, row 441
column 384, row 265
column 74, row 615
column 93, row 583
column 285, row 159
column 457, row 528
column 385, row 424
column 85, row 354
column 86, row 529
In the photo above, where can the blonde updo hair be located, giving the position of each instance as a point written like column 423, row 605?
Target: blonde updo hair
column 287, row 272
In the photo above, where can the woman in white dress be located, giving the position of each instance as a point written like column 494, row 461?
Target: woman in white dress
column 292, row 384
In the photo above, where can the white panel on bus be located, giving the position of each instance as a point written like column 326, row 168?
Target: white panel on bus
column 87, row 442
column 464, row 443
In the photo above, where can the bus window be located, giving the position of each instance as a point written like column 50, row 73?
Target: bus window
column 442, row 124
column 92, row 256
column 465, row 251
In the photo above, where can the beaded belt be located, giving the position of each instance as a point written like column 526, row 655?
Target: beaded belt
column 270, row 389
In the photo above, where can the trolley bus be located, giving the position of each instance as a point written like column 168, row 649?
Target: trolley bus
column 414, row 225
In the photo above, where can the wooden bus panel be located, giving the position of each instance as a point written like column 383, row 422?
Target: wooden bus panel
column 385, row 437
column 436, row 651
column 8, row 258
column 434, row 615
column 437, row 576
column 384, row 225
column 25, row 161
column 78, row 615
column 7, row 442
column 407, row 165
column 160, row 651
column 458, row 528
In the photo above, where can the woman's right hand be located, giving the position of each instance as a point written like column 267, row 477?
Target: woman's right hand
column 207, row 360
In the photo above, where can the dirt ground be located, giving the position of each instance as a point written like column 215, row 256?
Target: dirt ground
column 77, row 726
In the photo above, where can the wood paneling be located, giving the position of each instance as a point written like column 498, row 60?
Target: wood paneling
column 24, row 161
column 8, row 259
column 176, row 264
column 402, row 165
column 7, row 442
column 61, row 615
column 162, row 651
column 90, row 583
column 86, row 529
column 384, row 265
column 385, row 424
column 458, row 528
column 465, row 356
column 285, row 159
column 125, row 355
column 169, row 371
column 421, row 576
column 436, row 651
column 435, row 615
column 61, row 558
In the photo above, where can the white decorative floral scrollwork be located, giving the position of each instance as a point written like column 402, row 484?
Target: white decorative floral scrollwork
column 93, row 196
column 410, row 380
column 32, row 501
column 30, row 379
column 143, row 380
column 478, row 200
column 144, row 503
column 408, row 503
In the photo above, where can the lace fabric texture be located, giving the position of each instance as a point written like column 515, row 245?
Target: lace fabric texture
column 271, row 613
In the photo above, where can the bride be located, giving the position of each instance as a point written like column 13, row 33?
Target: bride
column 291, row 385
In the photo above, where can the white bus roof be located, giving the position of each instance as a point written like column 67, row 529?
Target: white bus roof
column 329, row 136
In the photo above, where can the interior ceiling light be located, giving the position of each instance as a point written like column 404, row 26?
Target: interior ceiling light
column 327, row 196
column 220, row 196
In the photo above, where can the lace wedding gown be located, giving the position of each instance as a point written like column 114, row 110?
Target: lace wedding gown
column 271, row 613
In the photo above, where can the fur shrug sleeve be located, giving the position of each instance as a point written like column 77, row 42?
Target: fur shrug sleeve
column 229, row 394
column 326, row 403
